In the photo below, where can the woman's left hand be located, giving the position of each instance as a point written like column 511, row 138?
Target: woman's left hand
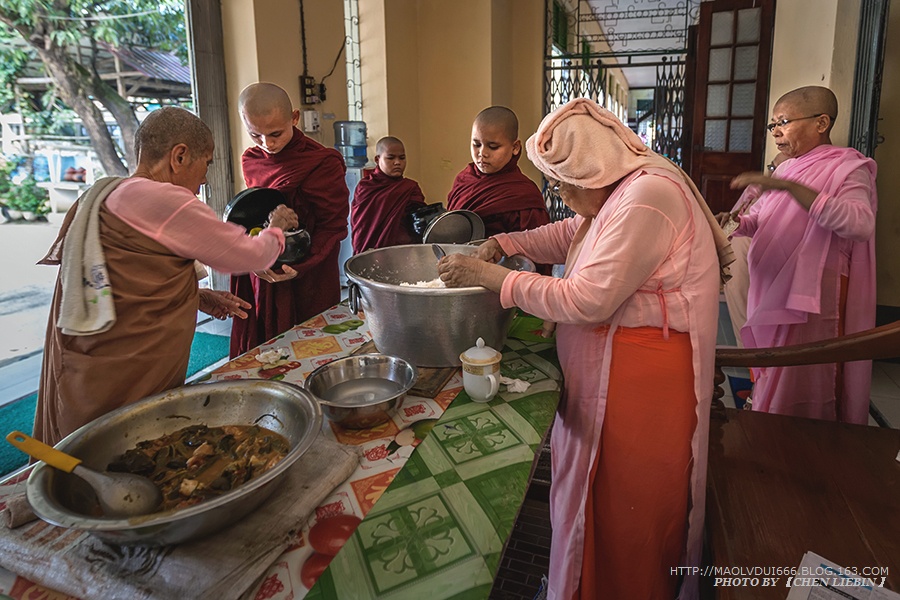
column 459, row 270
column 222, row 305
column 272, row 276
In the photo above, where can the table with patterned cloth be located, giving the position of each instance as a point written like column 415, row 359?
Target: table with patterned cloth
column 447, row 500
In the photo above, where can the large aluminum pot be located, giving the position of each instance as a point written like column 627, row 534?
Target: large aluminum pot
column 429, row 327
column 65, row 500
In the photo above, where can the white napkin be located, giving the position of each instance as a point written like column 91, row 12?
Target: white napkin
column 515, row 386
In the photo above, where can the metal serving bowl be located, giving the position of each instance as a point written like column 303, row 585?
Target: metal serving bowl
column 362, row 391
column 250, row 208
column 429, row 327
column 65, row 500
column 296, row 247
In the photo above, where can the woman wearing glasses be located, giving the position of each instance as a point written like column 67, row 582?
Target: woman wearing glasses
column 736, row 288
column 811, row 260
column 637, row 305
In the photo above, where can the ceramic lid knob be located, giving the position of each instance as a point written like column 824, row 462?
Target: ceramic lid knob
column 479, row 354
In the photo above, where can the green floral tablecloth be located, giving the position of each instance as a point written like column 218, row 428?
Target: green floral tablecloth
column 439, row 529
column 435, row 516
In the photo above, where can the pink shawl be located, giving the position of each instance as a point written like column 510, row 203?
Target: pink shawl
column 794, row 246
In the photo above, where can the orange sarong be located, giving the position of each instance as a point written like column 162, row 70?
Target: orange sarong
column 637, row 507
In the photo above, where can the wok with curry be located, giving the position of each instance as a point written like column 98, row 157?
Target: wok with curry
column 200, row 462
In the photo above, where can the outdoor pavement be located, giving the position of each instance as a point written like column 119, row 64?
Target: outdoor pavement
column 25, row 288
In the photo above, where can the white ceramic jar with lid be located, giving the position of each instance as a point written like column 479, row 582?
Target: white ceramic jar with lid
column 481, row 371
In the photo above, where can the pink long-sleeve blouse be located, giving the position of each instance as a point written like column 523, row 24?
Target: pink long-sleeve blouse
column 174, row 217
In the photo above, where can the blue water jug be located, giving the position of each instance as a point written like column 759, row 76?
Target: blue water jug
column 350, row 141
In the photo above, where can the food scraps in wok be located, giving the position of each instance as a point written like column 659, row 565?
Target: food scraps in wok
column 199, row 462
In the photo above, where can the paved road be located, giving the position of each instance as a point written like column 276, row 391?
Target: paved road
column 25, row 288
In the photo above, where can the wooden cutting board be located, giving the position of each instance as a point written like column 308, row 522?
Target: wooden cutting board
column 431, row 379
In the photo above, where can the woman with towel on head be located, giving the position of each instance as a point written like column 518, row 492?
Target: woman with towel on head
column 636, row 315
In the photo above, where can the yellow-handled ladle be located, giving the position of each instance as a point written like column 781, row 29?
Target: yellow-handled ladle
column 120, row 494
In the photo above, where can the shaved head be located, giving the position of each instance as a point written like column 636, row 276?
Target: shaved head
column 165, row 128
column 263, row 99
column 502, row 118
column 386, row 141
column 812, row 99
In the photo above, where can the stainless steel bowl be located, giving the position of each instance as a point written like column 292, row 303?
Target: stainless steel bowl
column 429, row 327
column 362, row 391
column 65, row 500
column 296, row 247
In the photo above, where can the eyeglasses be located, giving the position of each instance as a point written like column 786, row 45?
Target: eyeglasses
column 771, row 126
column 554, row 186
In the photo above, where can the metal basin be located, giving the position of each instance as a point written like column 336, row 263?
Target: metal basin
column 296, row 247
column 65, row 500
column 429, row 327
column 250, row 208
column 362, row 391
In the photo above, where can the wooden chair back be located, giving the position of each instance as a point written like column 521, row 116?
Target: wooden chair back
column 872, row 344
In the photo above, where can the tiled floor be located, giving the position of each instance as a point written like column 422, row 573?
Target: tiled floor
column 527, row 555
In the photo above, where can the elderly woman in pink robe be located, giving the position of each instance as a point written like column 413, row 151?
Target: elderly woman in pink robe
column 636, row 315
column 811, row 260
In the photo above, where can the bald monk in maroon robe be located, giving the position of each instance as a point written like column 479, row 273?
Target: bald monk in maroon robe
column 493, row 186
column 122, row 320
column 383, row 200
column 311, row 177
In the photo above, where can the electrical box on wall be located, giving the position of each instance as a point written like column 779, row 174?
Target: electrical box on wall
column 309, row 90
column 311, row 121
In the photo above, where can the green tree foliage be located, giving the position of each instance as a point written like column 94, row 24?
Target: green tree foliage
column 51, row 29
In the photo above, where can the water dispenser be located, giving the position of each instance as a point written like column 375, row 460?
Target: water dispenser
column 350, row 141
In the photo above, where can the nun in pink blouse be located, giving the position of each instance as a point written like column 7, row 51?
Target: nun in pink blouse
column 636, row 317
column 811, row 260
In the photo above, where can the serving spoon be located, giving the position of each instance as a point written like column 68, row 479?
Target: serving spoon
column 438, row 251
column 120, row 494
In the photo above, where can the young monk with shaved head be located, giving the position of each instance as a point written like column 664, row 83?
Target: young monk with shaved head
column 125, row 306
column 383, row 199
column 811, row 260
column 311, row 177
column 492, row 185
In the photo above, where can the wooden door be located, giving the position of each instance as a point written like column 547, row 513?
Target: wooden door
column 730, row 95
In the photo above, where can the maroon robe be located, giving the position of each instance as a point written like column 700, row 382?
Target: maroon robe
column 311, row 177
column 506, row 201
column 377, row 212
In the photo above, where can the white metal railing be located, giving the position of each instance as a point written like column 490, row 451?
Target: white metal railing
column 354, row 73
